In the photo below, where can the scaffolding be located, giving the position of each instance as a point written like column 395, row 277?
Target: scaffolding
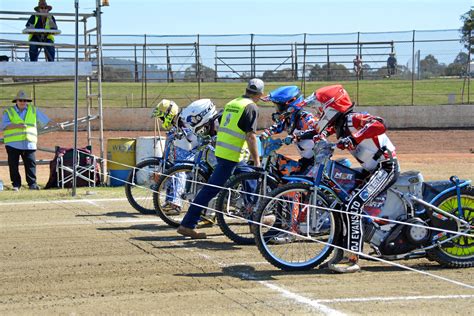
column 90, row 68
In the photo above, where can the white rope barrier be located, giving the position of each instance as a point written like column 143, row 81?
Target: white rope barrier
column 299, row 203
column 319, row 241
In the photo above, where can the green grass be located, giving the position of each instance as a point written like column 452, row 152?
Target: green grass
column 61, row 194
column 373, row 92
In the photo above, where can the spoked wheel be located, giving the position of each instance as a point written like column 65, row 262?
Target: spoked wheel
column 140, row 184
column 176, row 188
column 233, row 214
column 459, row 252
column 292, row 235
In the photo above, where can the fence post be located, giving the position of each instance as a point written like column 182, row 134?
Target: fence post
column 198, row 67
column 303, row 78
column 146, row 78
column 469, row 69
column 296, row 62
column 143, row 73
column 357, row 70
column 169, row 71
column 413, row 70
column 215, row 63
column 328, row 72
column 136, row 63
column 252, row 57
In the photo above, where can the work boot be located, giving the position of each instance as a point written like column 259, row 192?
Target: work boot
column 347, row 264
column 189, row 232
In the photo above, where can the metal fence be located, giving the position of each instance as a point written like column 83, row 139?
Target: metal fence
column 432, row 67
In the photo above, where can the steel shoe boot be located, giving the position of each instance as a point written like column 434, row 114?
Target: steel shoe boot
column 348, row 264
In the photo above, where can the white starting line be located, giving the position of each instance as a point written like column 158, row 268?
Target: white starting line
column 395, row 298
column 62, row 201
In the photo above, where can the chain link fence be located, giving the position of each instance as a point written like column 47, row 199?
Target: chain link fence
column 391, row 68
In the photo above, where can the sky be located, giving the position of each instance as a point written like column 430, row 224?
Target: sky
column 172, row 17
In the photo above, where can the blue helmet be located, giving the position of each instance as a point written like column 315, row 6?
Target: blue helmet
column 287, row 99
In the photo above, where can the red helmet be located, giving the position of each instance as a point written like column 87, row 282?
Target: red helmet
column 333, row 101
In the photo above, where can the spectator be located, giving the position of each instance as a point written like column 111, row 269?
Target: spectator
column 42, row 22
column 391, row 64
column 236, row 133
column 20, row 138
column 358, row 66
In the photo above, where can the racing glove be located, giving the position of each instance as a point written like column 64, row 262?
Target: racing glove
column 346, row 143
column 288, row 139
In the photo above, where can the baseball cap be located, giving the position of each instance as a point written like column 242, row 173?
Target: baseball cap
column 255, row 85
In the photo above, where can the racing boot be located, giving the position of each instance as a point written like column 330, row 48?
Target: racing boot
column 347, row 264
column 171, row 209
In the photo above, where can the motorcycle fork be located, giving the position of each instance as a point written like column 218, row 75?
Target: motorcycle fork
column 455, row 180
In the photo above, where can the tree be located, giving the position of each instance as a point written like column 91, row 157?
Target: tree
column 117, row 74
column 466, row 30
column 207, row 74
column 458, row 66
column 430, row 67
column 331, row 71
column 278, row 75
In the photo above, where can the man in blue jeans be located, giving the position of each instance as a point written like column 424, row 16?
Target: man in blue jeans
column 19, row 125
column 236, row 134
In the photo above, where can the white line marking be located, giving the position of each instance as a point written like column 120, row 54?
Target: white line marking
column 92, row 223
column 290, row 295
column 394, row 298
column 63, row 201
column 301, row 299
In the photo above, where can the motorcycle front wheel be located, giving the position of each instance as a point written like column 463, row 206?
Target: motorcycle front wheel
column 292, row 234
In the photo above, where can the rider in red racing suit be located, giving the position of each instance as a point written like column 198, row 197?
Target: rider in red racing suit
column 364, row 136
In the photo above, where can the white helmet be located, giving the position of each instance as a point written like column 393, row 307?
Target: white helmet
column 198, row 114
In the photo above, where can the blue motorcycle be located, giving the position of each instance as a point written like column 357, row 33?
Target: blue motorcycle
column 412, row 219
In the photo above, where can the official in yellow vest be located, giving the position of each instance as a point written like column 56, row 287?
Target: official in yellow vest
column 20, row 135
column 236, row 135
column 42, row 22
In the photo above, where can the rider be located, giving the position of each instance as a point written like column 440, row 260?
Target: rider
column 291, row 117
column 200, row 118
column 364, row 136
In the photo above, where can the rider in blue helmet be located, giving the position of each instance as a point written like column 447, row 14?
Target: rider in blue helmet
column 291, row 117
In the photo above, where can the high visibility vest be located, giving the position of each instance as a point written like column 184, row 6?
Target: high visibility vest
column 47, row 27
column 231, row 143
column 28, row 133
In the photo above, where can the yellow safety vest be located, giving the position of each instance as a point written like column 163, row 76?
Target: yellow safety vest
column 28, row 133
column 47, row 27
column 231, row 143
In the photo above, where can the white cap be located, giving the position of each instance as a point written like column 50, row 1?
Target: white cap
column 255, row 85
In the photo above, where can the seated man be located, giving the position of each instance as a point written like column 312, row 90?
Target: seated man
column 42, row 22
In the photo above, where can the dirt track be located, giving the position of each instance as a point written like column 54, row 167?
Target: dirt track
column 101, row 257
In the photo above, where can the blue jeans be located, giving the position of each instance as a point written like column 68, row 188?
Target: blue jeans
column 48, row 50
column 221, row 174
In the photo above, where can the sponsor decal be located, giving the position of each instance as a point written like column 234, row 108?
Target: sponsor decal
column 343, row 176
column 376, row 181
column 364, row 195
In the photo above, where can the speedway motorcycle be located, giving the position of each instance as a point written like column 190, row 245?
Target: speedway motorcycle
column 411, row 219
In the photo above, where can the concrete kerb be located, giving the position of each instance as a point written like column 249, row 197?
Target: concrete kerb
column 439, row 116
